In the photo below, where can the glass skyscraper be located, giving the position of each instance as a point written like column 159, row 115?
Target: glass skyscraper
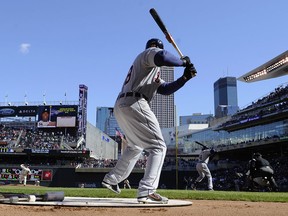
column 106, row 121
column 225, row 97
column 163, row 105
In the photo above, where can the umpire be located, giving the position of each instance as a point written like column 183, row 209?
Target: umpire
column 260, row 167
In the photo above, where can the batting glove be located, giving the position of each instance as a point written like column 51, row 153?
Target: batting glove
column 189, row 72
column 186, row 61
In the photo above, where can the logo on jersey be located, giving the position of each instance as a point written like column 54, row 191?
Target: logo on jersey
column 157, row 77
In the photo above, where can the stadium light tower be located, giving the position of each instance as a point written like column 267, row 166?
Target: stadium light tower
column 25, row 99
column 44, row 98
column 276, row 67
column 6, row 99
column 65, row 95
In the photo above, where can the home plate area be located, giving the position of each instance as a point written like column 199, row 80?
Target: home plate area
column 101, row 202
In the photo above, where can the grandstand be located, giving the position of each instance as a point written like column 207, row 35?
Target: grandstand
column 52, row 137
column 26, row 137
column 45, row 135
column 264, row 119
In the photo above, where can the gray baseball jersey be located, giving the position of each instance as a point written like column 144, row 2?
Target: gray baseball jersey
column 144, row 75
column 25, row 170
column 204, row 156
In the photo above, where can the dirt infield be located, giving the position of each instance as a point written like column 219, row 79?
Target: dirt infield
column 198, row 208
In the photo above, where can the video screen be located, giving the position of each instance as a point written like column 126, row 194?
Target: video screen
column 57, row 116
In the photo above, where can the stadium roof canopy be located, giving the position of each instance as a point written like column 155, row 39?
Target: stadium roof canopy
column 276, row 67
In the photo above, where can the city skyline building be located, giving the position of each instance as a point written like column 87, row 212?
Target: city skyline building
column 225, row 97
column 163, row 105
column 106, row 121
column 195, row 118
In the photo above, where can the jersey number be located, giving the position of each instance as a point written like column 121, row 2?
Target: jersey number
column 128, row 77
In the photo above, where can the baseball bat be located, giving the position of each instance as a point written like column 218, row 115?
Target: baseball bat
column 201, row 144
column 49, row 196
column 163, row 28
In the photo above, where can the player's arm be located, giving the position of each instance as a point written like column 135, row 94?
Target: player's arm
column 169, row 88
column 165, row 58
column 212, row 153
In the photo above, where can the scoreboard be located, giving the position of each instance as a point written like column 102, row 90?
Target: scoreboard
column 35, row 175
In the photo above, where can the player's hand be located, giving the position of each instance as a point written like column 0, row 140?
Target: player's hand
column 189, row 72
column 186, row 61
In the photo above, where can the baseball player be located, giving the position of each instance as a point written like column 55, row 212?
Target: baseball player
column 202, row 168
column 260, row 168
column 24, row 173
column 139, row 123
column 127, row 184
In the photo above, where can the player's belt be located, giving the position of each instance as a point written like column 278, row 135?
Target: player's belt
column 201, row 162
column 132, row 94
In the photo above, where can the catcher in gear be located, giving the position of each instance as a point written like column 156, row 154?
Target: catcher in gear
column 260, row 168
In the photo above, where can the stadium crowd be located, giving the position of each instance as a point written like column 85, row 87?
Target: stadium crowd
column 275, row 102
column 278, row 94
column 107, row 163
column 21, row 138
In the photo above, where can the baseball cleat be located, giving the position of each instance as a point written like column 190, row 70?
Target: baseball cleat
column 153, row 199
column 193, row 187
column 114, row 188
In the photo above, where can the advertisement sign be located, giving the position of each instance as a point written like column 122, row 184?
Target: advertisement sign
column 13, row 111
column 35, row 175
column 82, row 116
column 27, row 110
column 8, row 111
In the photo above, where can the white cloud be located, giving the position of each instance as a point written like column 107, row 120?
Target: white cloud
column 25, row 48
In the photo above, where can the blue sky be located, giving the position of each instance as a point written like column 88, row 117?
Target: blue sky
column 51, row 46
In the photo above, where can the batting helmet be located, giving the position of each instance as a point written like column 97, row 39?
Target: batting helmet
column 154, row 42
column 257, row 154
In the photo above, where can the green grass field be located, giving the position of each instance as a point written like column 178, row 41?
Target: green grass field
column 171, row 194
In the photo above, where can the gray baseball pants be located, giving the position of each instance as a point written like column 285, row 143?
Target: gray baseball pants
column 142, row 132
column 203, row 171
